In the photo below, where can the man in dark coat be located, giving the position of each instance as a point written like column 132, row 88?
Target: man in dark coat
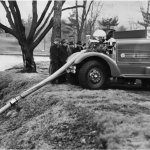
column 78, row 48
column 63, row 55
column 54, row 58
column 71, row 47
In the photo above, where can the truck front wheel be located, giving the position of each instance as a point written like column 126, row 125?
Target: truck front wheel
column 93, row 75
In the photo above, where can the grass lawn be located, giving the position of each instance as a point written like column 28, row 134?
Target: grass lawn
column 65, row 116
column 9, row 45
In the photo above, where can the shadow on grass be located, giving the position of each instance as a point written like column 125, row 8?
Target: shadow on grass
column 127, row 86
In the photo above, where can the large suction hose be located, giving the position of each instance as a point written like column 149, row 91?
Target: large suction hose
column 41, row 84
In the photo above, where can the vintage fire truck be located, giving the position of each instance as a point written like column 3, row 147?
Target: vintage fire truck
column 129, row 61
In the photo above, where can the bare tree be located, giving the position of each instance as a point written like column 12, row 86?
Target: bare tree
column 80, row 24
column 39, row 27
column 94, row 14
column 77, row 21
column 38, row 30
column 56, row 32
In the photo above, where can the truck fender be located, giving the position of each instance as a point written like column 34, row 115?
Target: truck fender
column 115, row 71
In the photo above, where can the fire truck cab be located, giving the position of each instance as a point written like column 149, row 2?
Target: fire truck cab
column 129, row 61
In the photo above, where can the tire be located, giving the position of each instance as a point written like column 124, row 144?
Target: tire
column 93, row 75
column 72, row 78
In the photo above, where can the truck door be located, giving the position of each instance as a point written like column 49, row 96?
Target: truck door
column 133, row 56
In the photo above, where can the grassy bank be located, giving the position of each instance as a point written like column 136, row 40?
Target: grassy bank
column 65, row 116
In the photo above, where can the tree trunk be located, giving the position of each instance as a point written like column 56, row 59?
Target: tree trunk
column 79, row 36
column 28, row 60
column 56, row 32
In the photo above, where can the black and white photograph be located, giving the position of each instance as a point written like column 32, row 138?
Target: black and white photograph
column 75, row 74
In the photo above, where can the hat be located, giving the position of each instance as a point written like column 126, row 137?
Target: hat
column 63, row 41
column 79, row 43
column 71, row 43
column 57, row 39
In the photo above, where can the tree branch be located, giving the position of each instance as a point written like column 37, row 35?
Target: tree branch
column 17, row 11
column 8, row 30
column 98, row 10
column 88, row 10
column 72, row 7
column 77, row 18
column 34, row 21
column 42, row 26
column 11, row 6
column 44, row 12
column 8, row 15
column 39, row 39
column 20, row 29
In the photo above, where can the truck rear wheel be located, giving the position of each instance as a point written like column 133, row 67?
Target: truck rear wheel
column 93, row 75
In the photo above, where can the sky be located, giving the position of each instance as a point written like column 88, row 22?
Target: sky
column 126, row 10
